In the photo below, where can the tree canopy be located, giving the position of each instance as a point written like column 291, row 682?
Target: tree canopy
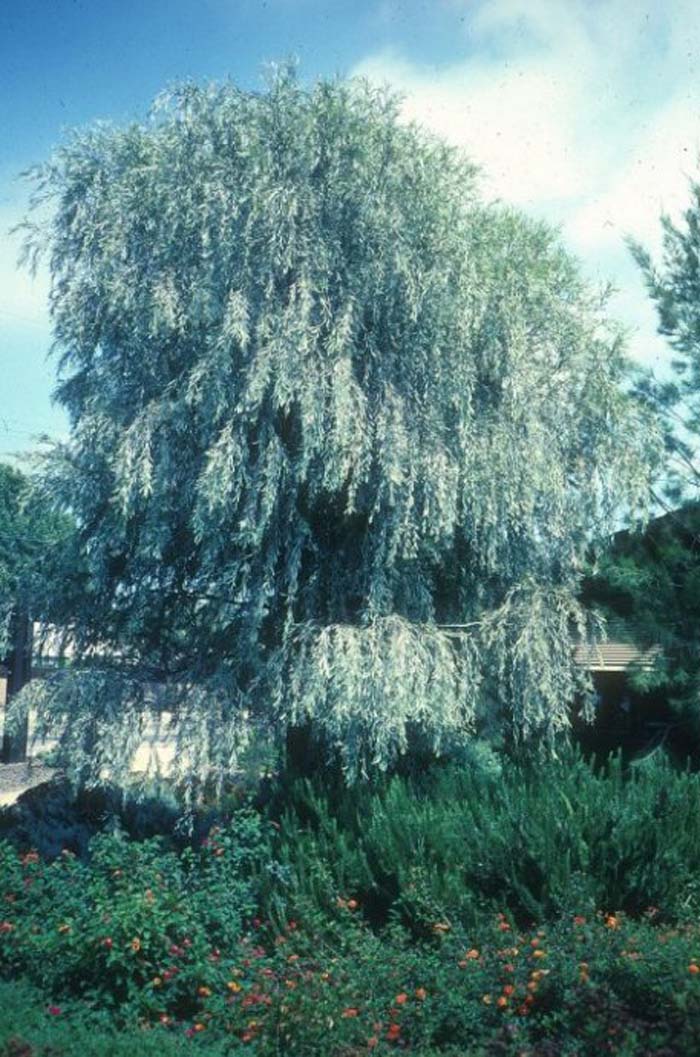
column 340, row 432
column 674, row 288
column 29, row 531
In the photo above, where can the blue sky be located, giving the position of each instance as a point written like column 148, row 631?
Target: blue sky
column 585, row 112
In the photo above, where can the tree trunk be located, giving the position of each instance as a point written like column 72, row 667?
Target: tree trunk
column 302, row 756
column 19, row 665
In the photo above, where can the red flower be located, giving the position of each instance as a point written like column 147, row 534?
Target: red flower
column 393, row 1032
column 54, row 1011
column 351, row 1011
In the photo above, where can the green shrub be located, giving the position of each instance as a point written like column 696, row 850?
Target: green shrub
column 326, row 982
column 135, row 913
column 535, row 839
column 32, row 1027
column 52, row 817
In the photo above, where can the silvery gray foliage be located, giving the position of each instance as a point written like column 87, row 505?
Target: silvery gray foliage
column 341, row 432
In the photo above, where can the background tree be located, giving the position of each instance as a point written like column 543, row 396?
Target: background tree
column 648, row 583
column 29, row 536
column 674, row 287
column 340, row 434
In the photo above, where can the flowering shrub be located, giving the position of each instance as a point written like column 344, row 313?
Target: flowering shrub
column 133, row 921
column 297, row 938
column 159, row 940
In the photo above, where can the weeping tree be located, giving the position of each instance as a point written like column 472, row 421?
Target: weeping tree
column 340, row 433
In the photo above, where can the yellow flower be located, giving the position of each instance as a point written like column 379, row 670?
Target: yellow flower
column 234, row 986
column 204, row 992
column 64, row 928
column 136, row 945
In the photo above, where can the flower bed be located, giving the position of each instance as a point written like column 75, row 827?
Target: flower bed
column 169, row 943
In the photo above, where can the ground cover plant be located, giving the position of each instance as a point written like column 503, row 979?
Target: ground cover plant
column 302, row 931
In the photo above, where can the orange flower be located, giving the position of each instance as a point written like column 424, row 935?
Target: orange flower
column 532, row 986
column 353, row 904
column 693, row 968
column 234, row 986
column 351, row 1011
column 204, row 992
column 611, row 922
column 539, row 954
column 136, row 945
column 401, row 999
column 200, row 1027
column 508, row 990
column 64, row 928
column 421, row 993
column 504, row 926
column 393, row 1032
column 535, row 942
column 501, row 1002
column 472, row 955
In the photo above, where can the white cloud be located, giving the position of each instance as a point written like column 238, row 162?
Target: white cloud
column 652, row 179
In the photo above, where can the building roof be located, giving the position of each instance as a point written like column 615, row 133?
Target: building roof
column 614, row 656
